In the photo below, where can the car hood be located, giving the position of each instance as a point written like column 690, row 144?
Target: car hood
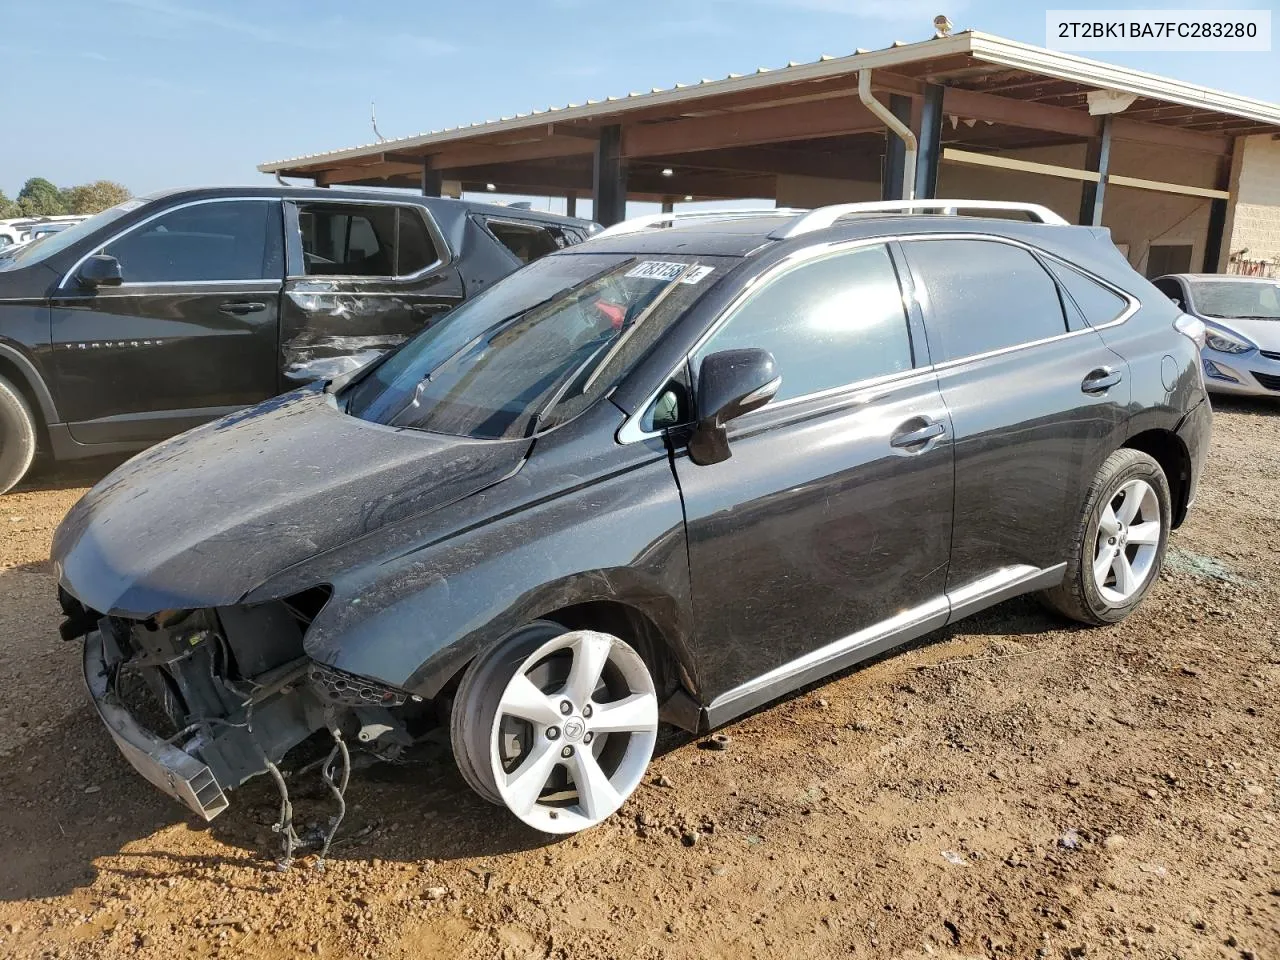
column 202, row 519
column 1265, row 333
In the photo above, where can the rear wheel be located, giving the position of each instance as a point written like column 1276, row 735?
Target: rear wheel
column 17, row 435
column 1120, row 541
column 558, row 726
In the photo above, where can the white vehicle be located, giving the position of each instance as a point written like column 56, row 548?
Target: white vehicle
column 1242, row 315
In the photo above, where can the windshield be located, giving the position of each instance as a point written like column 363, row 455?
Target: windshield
column 52, row 243
column 1234, row 299
column 534, row 349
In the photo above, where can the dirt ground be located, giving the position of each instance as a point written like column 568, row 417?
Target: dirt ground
column 1014, row 787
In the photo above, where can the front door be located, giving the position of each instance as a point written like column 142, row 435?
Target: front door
column 827, row 530
column 363, row 278
column 1037, row 401
column 188, row 336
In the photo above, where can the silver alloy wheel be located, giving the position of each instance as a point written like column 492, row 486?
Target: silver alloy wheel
column 1128, row 542
column 574, row 730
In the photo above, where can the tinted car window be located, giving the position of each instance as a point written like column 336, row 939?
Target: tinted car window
column 527, row 241
column 984, row 296
column 414, row 247
column 1170, row 289
column 827, row 322
column 1098, row 304
column 223, row 240
column 363, row 240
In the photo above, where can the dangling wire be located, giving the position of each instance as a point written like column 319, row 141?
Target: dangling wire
column 338, row 787
column 284, row 826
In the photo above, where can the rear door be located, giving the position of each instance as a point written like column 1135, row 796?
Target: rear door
column 827, row 523
column 1036, row 398
column 363, row 277
column 188, row 336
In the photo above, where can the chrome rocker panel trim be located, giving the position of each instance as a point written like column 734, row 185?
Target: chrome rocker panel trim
column 879, row 637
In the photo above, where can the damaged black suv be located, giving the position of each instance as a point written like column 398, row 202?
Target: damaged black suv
column 171, row 310
column 672, row 473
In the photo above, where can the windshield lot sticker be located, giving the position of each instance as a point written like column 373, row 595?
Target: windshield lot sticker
column 662, row 270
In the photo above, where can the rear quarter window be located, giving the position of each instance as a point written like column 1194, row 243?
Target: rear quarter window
column 1098, row 304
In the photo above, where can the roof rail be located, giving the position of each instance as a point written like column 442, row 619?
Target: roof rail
column 824, row 217
column 637, row 224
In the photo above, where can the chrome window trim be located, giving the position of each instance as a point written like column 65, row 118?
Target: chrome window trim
column 270, row 284
column 632, row 431
column 66, row 277
column 437, row 238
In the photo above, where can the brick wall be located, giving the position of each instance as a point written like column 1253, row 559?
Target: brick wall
column 1253, row 218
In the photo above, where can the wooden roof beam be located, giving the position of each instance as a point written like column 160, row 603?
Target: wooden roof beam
column 851, row 165
column 1075, row 123
column 823, row 118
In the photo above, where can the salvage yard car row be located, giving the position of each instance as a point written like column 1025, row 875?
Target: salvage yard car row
column 168, row 311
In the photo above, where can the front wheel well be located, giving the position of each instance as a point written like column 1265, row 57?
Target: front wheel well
column 1165, row 447
column 636, row 628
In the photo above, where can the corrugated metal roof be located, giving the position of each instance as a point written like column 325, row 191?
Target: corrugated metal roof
column 997, row 51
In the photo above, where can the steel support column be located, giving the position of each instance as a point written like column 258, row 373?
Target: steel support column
column 571, row 204
column 891, row 179
column 1219, row 210
column 930, row 143
column 432, row 180
column 609, row 178
column 1097, row 161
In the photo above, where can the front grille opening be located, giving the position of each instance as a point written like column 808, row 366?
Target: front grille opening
column 1270, row 381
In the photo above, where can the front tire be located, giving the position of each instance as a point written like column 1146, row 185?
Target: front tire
column 1120, row 541
column 17, row 436
column 556, row 725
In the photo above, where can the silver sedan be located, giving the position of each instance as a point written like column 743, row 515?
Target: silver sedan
column 1242, row 315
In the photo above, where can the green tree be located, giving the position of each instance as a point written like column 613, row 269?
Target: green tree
column 8, row 208
column 94, row 197
column 40, row 198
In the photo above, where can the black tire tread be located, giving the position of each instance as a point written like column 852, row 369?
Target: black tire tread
column 17, row 436
column 1068, row 598
column 468, row 700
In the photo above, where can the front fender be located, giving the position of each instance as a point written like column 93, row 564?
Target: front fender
column 414, row 620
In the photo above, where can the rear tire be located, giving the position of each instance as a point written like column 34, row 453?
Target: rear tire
column 17, row 436
column 1118, row 549
column 556, row 725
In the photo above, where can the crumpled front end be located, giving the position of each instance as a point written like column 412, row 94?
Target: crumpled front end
column 199, row 701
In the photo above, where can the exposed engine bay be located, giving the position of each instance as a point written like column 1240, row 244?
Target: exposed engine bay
column 199, row 701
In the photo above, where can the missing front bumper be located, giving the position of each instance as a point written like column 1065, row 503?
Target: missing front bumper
column 180, row 775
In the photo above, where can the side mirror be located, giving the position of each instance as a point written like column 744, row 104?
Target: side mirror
column 730, row 383
column 100, row 270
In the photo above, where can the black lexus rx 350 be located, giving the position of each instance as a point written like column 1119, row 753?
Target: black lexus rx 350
column 669, row 474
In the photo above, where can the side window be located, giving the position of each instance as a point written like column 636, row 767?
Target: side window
column 221, row 240
column 363, row 240
column 415, row 250
column 827, row 322
column 983, row 296
column 1173, row 290
column 526, row 240
column 1098, row 304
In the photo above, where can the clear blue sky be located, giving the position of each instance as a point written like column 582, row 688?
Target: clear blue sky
column 161, row 93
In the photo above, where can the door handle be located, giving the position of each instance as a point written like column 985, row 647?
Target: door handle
column 241, row 307
column 931, row 430
column 1101, row 380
